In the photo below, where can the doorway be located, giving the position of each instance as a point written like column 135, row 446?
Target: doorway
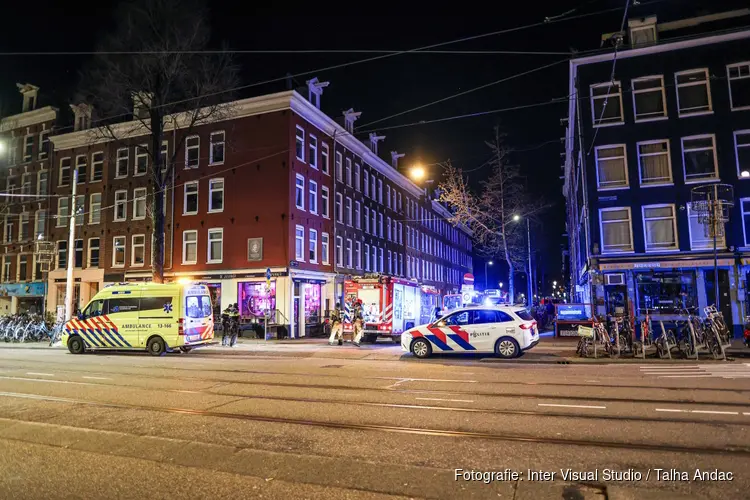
column 725, row 305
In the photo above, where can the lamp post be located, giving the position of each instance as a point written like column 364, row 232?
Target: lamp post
column 487, row 263
column 529, row 283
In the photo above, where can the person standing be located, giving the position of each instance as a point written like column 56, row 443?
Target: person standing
column 336, row 327
column 358, row 320
column 225, row 325
column 234, row 324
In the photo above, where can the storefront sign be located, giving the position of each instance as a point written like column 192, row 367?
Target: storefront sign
column 254, row 249
column 665, row 264
column 63, row 280
column 35, row 289
column 309, row 280
column 209, row 277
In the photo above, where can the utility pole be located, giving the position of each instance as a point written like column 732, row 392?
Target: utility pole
column 529, row 280
column 71, row 251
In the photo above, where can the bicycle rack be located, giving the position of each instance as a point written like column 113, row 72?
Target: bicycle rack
column 664, row 345
column 717, row 323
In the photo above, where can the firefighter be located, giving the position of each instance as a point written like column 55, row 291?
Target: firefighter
column 358, row 319
column 336, row 327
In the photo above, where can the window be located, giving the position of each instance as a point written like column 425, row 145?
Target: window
column 372, row 187
column 649, row 98
column 374, row 222
column 349, row 172
column 164, row 155
column 40, row 222
column 118, row 251
column 95, row 208
column 299, row 244
column 43, row 145
column 121, row 168
column 23, row 268
column 388, row 196
column 313, row 201
column 299, row 192
column 660, row 227
column 189, row 247
column 139, row 203
column 357, row 218
column 300, row 144
column 192, row 151
column 324, row 159
column 654, row 163
column 81, row 169
column 699, row 238
column 313, row 246
column 338, row 208
column 699, row 158
column 367, row 220
column 63, row 211
column 121, row 205
column 739, row 85
column 191, row 198
column 28, row 148
column 64, row 179
column 215, row 245
column 388, row 225
column 606, row 104
column 617, row 233
column 357, row 169
column 137, row 250
column 367, row 183
column 390, row 260
column 97, row 166
column 62, row 255
column 23, row 227
column 216, row 145
column 348, row 211
column 380, row 191
column 93, row 260
column 26, row 183
column 693, row 92
column 141, row 160
column 380, row 260
column 380, row 225
column 324, row 202
column 348, row 253
column 367, row 257
column 339, row 251
column 657, row 291
column 742, row 151
column 41, row 182
column 745, row 208
column 312, row 153
column 324, row 242
column 400, row 203
column 216, row 195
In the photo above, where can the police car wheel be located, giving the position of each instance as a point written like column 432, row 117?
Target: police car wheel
column 507, row 347
column 156, row 346
column 421, row 348
column 75, row 345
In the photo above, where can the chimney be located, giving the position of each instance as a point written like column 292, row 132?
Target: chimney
column 395, row 155
column 82, row 113
column 315, row 90
column 350, row 116
column 141, row 104
column 30, row 93
column 374, row 139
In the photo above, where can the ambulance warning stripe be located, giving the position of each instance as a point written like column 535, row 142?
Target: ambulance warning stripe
column 112, row 329
column 102, row 329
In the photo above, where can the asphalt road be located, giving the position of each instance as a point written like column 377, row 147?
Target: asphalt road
column 255, row 425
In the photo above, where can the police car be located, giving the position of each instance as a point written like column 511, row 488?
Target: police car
column 506, row 331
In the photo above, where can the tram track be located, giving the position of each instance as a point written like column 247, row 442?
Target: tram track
column 407, row 406
column 492, row 436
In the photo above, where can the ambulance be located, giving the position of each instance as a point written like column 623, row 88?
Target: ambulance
column 389, row 306
column 136, row 316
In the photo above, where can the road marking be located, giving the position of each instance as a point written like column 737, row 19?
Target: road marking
column 409, row 379
column 574, row 406
column 671, row 410
column 708, row 412
column 97, row 378
column 593, row 381
column 450, row 400
column 686, row 376
column 41, row 374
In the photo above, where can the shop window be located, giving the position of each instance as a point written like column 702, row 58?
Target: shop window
column 666, row 293
column 311, row 294
column 254, row 298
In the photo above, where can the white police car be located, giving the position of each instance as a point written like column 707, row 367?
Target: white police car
column 506, row 331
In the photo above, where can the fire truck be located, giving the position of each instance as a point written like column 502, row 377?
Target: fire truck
column 389, row 306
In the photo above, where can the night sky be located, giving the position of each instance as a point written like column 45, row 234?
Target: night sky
column 379, row 88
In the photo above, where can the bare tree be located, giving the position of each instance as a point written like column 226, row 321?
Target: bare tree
column 494, row 214
column 148, row 76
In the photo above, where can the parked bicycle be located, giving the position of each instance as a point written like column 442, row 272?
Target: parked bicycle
column 24, row 327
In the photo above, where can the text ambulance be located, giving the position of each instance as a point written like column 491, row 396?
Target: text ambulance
column 155, row 317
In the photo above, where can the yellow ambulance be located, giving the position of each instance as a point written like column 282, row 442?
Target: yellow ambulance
column 154, row 317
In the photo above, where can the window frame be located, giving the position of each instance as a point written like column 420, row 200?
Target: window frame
column 358, row 255
column 299, row 238
column 736, row 151
column 124, row 251
column 185, row 198
column 212, row 143
column 721, row 243
column 716, row 159
column 90, row 247
column 312, row 196
column 60, row 170
column 100, row 163
column 299, row 192
column 92, row 210
column 677, row 86
column 340, row 204
column 348, row 171
column 141, row 151
column 43, row 151
column 211, row 191
column 132, row 250
column 39, row 181
column 729, row 83
column 60, row 221
column 189, row 148
column 140, row 199
column 638, row 145
column 312, row 248
column 325, row 242
column 126, row 159
column 325, row 202
column 625, row 166
column 325, row 159
column 312, row 151
column 601, row 230
column 299, row 141
column 210, row 258
column 123, row 202
column 185, row 243
column 673, row 248
column 662, row 88
column 594, row 118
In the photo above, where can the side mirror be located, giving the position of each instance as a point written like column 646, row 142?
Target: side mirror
column 80, row 316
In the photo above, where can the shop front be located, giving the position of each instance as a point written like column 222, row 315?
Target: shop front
column 22, row 297
column 308, row 307
column 86, row 284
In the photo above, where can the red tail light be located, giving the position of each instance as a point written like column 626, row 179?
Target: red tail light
column 181, row 327
column 747, row 334
column 528, row 326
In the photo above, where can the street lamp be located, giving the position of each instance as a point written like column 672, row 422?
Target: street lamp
column 501, row 284
column 489, row 262
column 417, row 173
column 516, row 218
column 745, row 174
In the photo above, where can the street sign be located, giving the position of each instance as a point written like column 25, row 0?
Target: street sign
column 268, row 273
column 468, row 279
